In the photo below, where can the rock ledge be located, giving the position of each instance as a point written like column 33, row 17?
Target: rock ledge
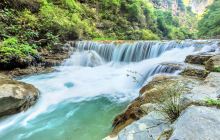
column 16, row 96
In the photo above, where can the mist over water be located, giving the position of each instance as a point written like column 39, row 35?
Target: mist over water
column 81, row 98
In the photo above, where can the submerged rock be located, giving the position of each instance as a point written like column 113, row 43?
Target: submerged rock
column 15, row 96
column 197, row 123
column 69, row 84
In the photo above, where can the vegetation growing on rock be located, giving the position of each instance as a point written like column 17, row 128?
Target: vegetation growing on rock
column 212, row 102
column 13, row 53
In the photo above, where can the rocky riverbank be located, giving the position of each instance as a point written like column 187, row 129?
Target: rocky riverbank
column 191, row 112
column 16, row 96
column 48, row 59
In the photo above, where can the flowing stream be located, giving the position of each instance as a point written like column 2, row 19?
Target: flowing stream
column 81, row 98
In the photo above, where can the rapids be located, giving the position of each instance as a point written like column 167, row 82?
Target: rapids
column 81, row 98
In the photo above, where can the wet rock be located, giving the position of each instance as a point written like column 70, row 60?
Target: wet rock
column 213, row 64
column 198, row 58
column 15, row 96
column 28, row 71
column 195, row 71
column 197, row 123
column 12, row 62
column 131, row 114
column 173, row 66
column 69, row 84
column 60, row 48
column 156, row 81
column 56, row 55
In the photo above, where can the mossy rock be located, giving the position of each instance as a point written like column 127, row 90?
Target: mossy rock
column 199, row 73
column 12, row 62
column 213, row 64
column 198, row 59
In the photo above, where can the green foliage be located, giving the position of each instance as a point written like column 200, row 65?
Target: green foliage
column 216, row 69
column 12, row 48
column 103, row 39
column 143, row 34
column 209, row 25
column 212, row 102
column 170, row 27
column 10, row 42
column 114, row 4
column 140, row 10
column 60, row 20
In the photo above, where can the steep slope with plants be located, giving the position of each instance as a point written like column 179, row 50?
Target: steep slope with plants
column 28, row 27
column 209, row 25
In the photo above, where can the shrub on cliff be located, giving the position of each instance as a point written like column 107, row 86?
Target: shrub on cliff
column 142, row 34
column 15, row 54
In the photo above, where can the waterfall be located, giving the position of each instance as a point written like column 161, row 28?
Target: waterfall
column 161, row 68
column 164, row 68
column 86, row 58
column 134, row 51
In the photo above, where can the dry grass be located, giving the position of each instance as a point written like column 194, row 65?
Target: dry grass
column 170, row 106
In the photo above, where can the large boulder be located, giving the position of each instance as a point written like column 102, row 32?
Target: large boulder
column 197, row 123
column 198, row 58
column 213, row 64
column 15, row 96
column 195, row 71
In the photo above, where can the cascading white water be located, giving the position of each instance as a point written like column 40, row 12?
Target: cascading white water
column 135, row 51
column 81, row 98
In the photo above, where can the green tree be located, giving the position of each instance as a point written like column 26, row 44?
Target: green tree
column 209, row 25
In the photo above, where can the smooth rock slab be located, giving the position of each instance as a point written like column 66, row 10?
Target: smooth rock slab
column 209, row 89
column 149, row 127
column 15, row 96
column 197, row 123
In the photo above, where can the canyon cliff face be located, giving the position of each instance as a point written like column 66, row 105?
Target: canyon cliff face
column 178, row 6
column 199, row 6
